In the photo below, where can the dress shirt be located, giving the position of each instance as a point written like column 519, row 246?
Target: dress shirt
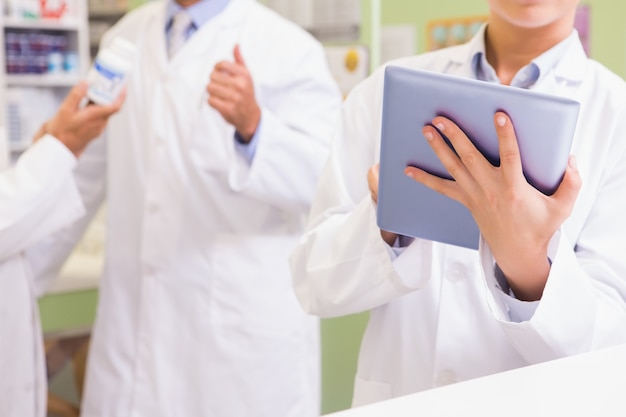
column 200, row 13
column 528, row 75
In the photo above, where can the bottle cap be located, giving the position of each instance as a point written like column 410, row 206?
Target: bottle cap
column 123, row 48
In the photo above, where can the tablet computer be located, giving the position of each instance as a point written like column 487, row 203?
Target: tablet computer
column 544, row 126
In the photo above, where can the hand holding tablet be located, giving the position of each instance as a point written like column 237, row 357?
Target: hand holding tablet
column 544, row 127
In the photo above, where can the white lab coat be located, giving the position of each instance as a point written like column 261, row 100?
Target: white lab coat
column 436, row 314
column 38, row 196
column 196, row 314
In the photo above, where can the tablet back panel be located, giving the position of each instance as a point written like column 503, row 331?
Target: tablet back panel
column 544, row 127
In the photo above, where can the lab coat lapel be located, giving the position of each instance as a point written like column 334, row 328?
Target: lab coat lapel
column 215, row 40
column 461, row 62
column 573, row 65
column 569, row 72
column 462, row 66
column 155, row 43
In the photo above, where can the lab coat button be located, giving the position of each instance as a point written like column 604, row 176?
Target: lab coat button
column 455, row 274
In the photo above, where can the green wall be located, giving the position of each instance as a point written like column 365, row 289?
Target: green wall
column 419, row 13
column 608, row 33
column 340, row 346
column 68, row 311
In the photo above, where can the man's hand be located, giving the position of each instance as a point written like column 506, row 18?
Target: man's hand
column 372, row 183
column 231, row 92
column 76, row 127
column 515, row 219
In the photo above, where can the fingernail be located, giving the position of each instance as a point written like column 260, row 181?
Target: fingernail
column 439, row 126
column 429, row 136
column 572, row 162
column 409, row 174
column 500, row 120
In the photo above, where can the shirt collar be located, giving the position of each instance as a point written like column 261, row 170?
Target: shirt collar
column 200, row 13
column 535, row 70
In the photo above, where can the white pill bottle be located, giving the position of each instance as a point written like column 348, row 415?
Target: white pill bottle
column 108, row 74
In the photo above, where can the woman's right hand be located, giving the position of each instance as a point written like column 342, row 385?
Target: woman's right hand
column 372, row 183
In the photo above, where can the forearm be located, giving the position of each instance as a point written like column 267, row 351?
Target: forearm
column 526, row 272
column 583, row 305
column 39, row 195
column 47, row 256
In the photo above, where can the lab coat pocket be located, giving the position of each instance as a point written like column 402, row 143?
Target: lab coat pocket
column 367, row 392
column 212, row 142
column 252, row 284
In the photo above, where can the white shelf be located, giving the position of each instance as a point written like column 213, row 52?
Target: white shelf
column 66, row 24
column 42, row 80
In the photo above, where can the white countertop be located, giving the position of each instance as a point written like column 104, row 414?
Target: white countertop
column 591, row 384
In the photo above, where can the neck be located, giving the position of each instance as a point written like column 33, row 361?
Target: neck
column 509, row 48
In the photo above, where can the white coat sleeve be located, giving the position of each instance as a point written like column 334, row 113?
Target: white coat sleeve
column 47, row 257
column 342, row 265
column 38, row 196
column 583, row 306
column 298, row 118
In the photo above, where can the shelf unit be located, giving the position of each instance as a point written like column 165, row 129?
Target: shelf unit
column 18, row 91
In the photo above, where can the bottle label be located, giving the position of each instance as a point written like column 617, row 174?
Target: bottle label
column 107, row 73
column 104, row 84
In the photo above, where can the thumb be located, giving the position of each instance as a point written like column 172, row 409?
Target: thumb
column 238, row 57
column 76, row 94
column 570, row 186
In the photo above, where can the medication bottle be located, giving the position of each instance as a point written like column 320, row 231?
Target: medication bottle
column 108, row 73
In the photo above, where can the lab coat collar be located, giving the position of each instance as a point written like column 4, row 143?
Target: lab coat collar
column 200, row 13
column 463, row 60
column 571, row 66
column 229, row 14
